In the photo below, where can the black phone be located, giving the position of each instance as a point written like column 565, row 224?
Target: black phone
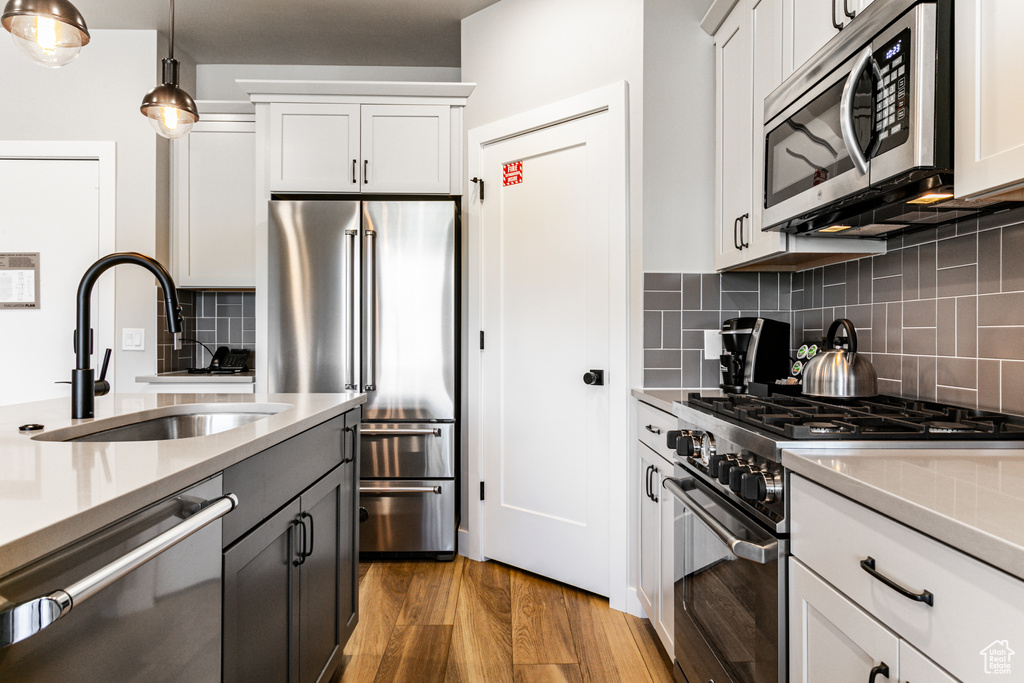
column 230, row 360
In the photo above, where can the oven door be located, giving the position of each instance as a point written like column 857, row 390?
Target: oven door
column 729, row 590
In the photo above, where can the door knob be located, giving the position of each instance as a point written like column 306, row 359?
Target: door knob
column 594, row 378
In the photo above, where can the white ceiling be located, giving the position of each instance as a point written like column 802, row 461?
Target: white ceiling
column 335, row 32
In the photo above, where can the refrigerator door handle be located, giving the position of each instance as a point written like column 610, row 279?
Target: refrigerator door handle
column 350, row 320
column 371, row 310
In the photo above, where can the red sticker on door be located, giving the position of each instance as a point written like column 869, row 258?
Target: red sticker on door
column 512, row 174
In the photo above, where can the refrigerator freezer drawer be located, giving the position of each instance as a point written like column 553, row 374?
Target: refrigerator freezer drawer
column 407, row 450
column 407, row 515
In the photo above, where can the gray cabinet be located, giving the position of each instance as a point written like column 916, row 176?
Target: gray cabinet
column 291, row 582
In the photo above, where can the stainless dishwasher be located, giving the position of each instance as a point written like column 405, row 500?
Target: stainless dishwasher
column 137, row 601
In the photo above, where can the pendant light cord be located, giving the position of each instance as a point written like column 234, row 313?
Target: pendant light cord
column 170, row 52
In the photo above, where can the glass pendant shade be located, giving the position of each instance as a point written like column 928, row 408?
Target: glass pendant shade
column 49, row 32
column 170, row 110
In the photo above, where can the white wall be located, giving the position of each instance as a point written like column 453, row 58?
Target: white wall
column 679, row 138
column 217, row 81
column 97, row 98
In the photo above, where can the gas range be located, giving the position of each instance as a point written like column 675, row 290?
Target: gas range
column 734, row 443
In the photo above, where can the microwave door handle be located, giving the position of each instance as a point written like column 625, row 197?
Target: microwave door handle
column 350, row 317
column 761, row 554
column 846, row 122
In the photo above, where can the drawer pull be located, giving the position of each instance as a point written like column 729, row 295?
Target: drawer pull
column 369, row 431
column 880, row 670
column 400, row 489
column 653, row 430
column 926, row 597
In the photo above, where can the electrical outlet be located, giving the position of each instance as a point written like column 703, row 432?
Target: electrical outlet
column 712, row 344
column 133, row 339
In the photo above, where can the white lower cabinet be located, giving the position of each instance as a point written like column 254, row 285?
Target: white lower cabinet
column 655, row 532
column 859, row 579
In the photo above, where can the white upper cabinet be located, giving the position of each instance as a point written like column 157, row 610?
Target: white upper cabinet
column 382, row 148
column 213, row 200
column 989, row 67
column 751, row 49
column 406, row 148
column 809, row 24
column 314, row 147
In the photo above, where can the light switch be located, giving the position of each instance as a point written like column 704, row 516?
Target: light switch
column 712, row 344
column 133, row 339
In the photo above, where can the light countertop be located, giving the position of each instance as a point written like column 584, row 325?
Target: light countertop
column 661, row 398
column 970, row 499
column 183, row 377
column 53, row 493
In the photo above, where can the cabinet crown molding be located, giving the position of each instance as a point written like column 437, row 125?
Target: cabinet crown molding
column 715, row 15
column 265, row 90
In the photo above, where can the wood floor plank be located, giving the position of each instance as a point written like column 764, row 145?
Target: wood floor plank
column 430, row 590
column 548, row 673
column 415, row 653
column 364, row 568
column 540, row 624
column 381, row 596
column 453, row 590
column 481, row 644
column 605, row 647
column 659, row 666
column 359, row 668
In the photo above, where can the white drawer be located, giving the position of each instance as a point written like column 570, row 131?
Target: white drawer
column 652, row 428
column 974, row 605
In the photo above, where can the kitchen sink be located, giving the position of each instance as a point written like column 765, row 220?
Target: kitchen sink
column 172, row 422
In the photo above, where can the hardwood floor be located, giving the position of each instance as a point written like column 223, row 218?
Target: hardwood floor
column 486, row 622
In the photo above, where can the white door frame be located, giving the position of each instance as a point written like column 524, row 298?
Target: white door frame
column 105, row 153
column 613, row 99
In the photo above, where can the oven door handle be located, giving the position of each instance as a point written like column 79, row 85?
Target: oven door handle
column 761, row 554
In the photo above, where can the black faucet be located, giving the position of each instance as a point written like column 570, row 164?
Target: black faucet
column 84, row 388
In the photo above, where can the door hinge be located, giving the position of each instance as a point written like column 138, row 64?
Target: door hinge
column 481, row 490
column 479, row 181
column 481, row 339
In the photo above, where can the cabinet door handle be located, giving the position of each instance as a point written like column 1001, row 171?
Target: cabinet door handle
column 836, row 24
column 735, row 233
column 366, row 171
column 354, row 165
column 301, row 555
column 846, row 9
column 647, row 484
column 654, row 478
column 926, row 597
column 312, row 531
column 652, row 429
column 880, row 670
column 743, row 245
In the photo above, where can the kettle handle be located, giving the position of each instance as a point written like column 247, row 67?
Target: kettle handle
column 850, row 332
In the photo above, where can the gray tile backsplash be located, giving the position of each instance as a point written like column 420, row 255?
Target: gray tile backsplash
column 940, row 315
column 213, row 318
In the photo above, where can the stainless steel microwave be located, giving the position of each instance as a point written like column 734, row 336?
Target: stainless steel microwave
column 859, row 140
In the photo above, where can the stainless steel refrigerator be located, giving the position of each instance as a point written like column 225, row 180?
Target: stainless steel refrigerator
column 362, row 297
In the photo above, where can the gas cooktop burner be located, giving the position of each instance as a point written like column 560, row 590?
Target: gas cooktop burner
column 878, row 417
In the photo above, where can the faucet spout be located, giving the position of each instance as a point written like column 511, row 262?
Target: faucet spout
column 83, row 385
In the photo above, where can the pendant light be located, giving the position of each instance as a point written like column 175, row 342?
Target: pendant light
column 169, row 108
column 49, row 32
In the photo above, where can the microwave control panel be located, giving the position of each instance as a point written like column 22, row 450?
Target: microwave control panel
column 892, row 100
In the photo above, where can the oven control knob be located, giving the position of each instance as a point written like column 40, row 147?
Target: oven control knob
column 672, row 438
column 714, row 462
column 735, row 476
column 753, row 487
column 708, row 449
column 685, row 445
column 725, row 466
column 761, row 486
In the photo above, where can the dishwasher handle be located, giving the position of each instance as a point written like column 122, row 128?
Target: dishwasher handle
column 29, row 618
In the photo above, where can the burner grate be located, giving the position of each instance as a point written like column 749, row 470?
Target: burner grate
column 879, row 417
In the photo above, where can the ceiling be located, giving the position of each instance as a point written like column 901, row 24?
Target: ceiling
column 332, row 32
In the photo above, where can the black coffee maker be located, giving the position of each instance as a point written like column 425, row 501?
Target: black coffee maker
column 753, row 350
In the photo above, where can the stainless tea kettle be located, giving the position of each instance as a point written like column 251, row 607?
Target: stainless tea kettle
column 839, row 373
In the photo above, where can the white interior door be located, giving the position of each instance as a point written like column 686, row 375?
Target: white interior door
column 545, row 312
column 36, row 345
